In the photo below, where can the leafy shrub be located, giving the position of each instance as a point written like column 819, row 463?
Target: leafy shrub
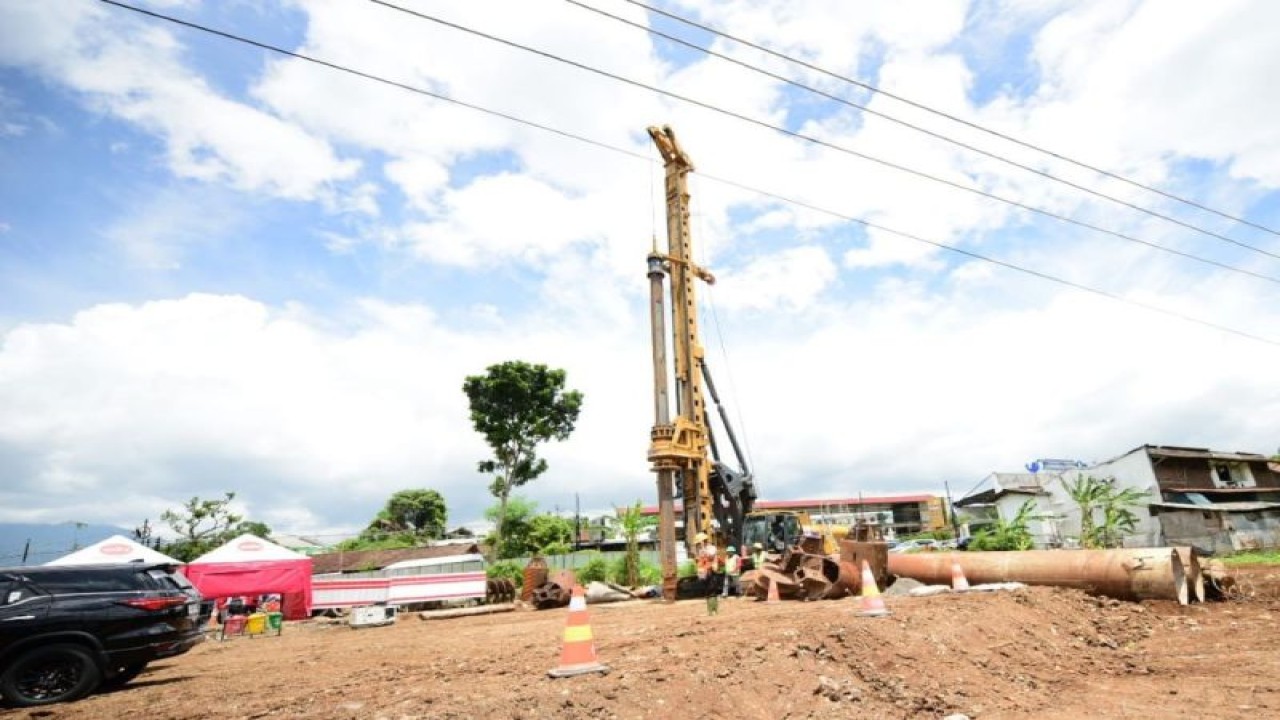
column 650, row 574
column 618, row 570
column 647, row 572
column 506, row 569
column 1011, row 535
column 595, row 570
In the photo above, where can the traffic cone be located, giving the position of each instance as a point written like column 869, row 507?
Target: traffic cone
column 578, row 656
column 959, row 583
column 872, row 601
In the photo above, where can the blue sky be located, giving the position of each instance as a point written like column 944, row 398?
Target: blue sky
column 222, row 269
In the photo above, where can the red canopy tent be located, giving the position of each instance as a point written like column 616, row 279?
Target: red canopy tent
column 249, row 565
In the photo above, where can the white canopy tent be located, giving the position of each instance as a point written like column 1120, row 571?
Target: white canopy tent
column 115, row 550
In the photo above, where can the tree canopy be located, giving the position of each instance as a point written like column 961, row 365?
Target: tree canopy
column 529, row 533
column 202, row 525
column 409, row 518
column 517, row 406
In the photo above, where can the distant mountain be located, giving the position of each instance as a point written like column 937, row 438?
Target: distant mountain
column 49, row 541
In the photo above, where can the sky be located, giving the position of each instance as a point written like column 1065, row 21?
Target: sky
column 228, row 269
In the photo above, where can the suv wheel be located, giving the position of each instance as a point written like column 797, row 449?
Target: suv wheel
column 50, row 674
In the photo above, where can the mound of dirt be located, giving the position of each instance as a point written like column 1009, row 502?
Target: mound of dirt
column 1035, row 653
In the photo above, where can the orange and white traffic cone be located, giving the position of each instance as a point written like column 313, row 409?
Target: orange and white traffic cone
column 872, row 602
column 959, row 583
column 773, row 592
column 578, row 656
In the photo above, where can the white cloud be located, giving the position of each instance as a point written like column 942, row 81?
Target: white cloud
column 157, row 230
column 134, row 72
column 792, row 280
column 499, row 217
column 215, row 393
column 1116, row 79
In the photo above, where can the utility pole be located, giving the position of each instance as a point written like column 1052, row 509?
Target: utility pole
column 951, row 510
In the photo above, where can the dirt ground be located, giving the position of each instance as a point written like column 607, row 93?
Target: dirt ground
column 1036, row 653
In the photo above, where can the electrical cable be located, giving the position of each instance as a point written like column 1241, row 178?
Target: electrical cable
column 954, row 118
column 823, row 143
column 930, row 133
column 740, row 186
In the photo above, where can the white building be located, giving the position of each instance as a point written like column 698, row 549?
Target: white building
column 1217, row 501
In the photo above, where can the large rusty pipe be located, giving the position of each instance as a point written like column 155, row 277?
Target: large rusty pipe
column 1195, row 578
column 1127, row 574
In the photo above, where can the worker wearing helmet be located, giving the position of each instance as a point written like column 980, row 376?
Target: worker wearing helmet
column 704, row 556
column 732, row 571
column 757, row 556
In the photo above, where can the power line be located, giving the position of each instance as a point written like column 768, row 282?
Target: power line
column 365, row 75
column 647, row 159
column 926, row 131
column 823, row 143
column 994, row 261
column 954, row 118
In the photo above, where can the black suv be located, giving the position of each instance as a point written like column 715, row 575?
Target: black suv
column 67, row 630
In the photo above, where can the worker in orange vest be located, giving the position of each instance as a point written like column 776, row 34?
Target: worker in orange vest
column 706, row 558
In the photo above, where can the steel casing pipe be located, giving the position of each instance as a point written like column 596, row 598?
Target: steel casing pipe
column 1125, row 574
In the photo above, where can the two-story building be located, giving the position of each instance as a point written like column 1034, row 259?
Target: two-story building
column 1217, row 501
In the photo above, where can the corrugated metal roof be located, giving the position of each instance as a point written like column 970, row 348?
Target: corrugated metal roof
column 1182, row 452
column 378, row 559
column 1255, row 506
column 986, row 497
column 1226, row 491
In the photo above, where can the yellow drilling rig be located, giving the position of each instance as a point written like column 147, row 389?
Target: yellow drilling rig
column 683, row 451
column 716, row 499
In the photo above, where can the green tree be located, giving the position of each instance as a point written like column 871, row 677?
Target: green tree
column 519, row 512
column 248, row 527
column 202, row 525
column 550, row 535
column 1013, row 534
column 408, row 519
column 420, row 514
column 517, row 406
